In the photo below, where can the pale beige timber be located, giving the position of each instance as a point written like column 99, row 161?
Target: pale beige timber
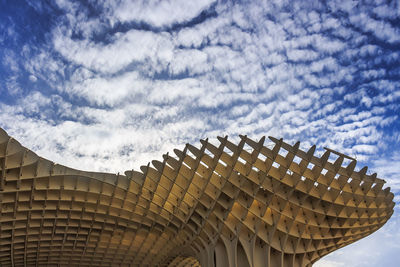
column 218, row 205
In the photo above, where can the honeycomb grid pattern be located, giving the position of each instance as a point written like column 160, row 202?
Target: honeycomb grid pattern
column 227, row 205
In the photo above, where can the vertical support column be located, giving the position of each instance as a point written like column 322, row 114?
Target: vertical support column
column 276, row 258
column 261, row 255
column 203, row 258
column 248, row 245
column 211, row 255
column 231, row 250
column 207, row 256
column 222, row 259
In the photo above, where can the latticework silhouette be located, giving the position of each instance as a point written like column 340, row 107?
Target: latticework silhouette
column 217, row 205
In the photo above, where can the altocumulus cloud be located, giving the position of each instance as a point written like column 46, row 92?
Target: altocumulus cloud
column 109, row 86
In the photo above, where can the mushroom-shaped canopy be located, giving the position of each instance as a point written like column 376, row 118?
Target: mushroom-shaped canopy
column 228, row 204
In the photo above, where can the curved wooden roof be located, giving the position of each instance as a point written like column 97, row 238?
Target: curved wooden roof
column 218, row 205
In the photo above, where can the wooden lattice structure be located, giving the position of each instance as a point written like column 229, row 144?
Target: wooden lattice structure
column 224, row 205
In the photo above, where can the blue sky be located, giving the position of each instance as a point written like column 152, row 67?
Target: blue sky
column 111, row 85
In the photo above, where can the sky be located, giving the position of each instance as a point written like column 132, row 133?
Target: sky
column 111, row 85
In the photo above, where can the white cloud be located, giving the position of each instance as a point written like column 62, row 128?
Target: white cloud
column 381, row 29
column 156, row 13
column 12, row 85
column 389, row 169
column 302, row 55
column 192, row 61
column 32, row 78
column 109, row 91
column 133, row 46
column 9, row 60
